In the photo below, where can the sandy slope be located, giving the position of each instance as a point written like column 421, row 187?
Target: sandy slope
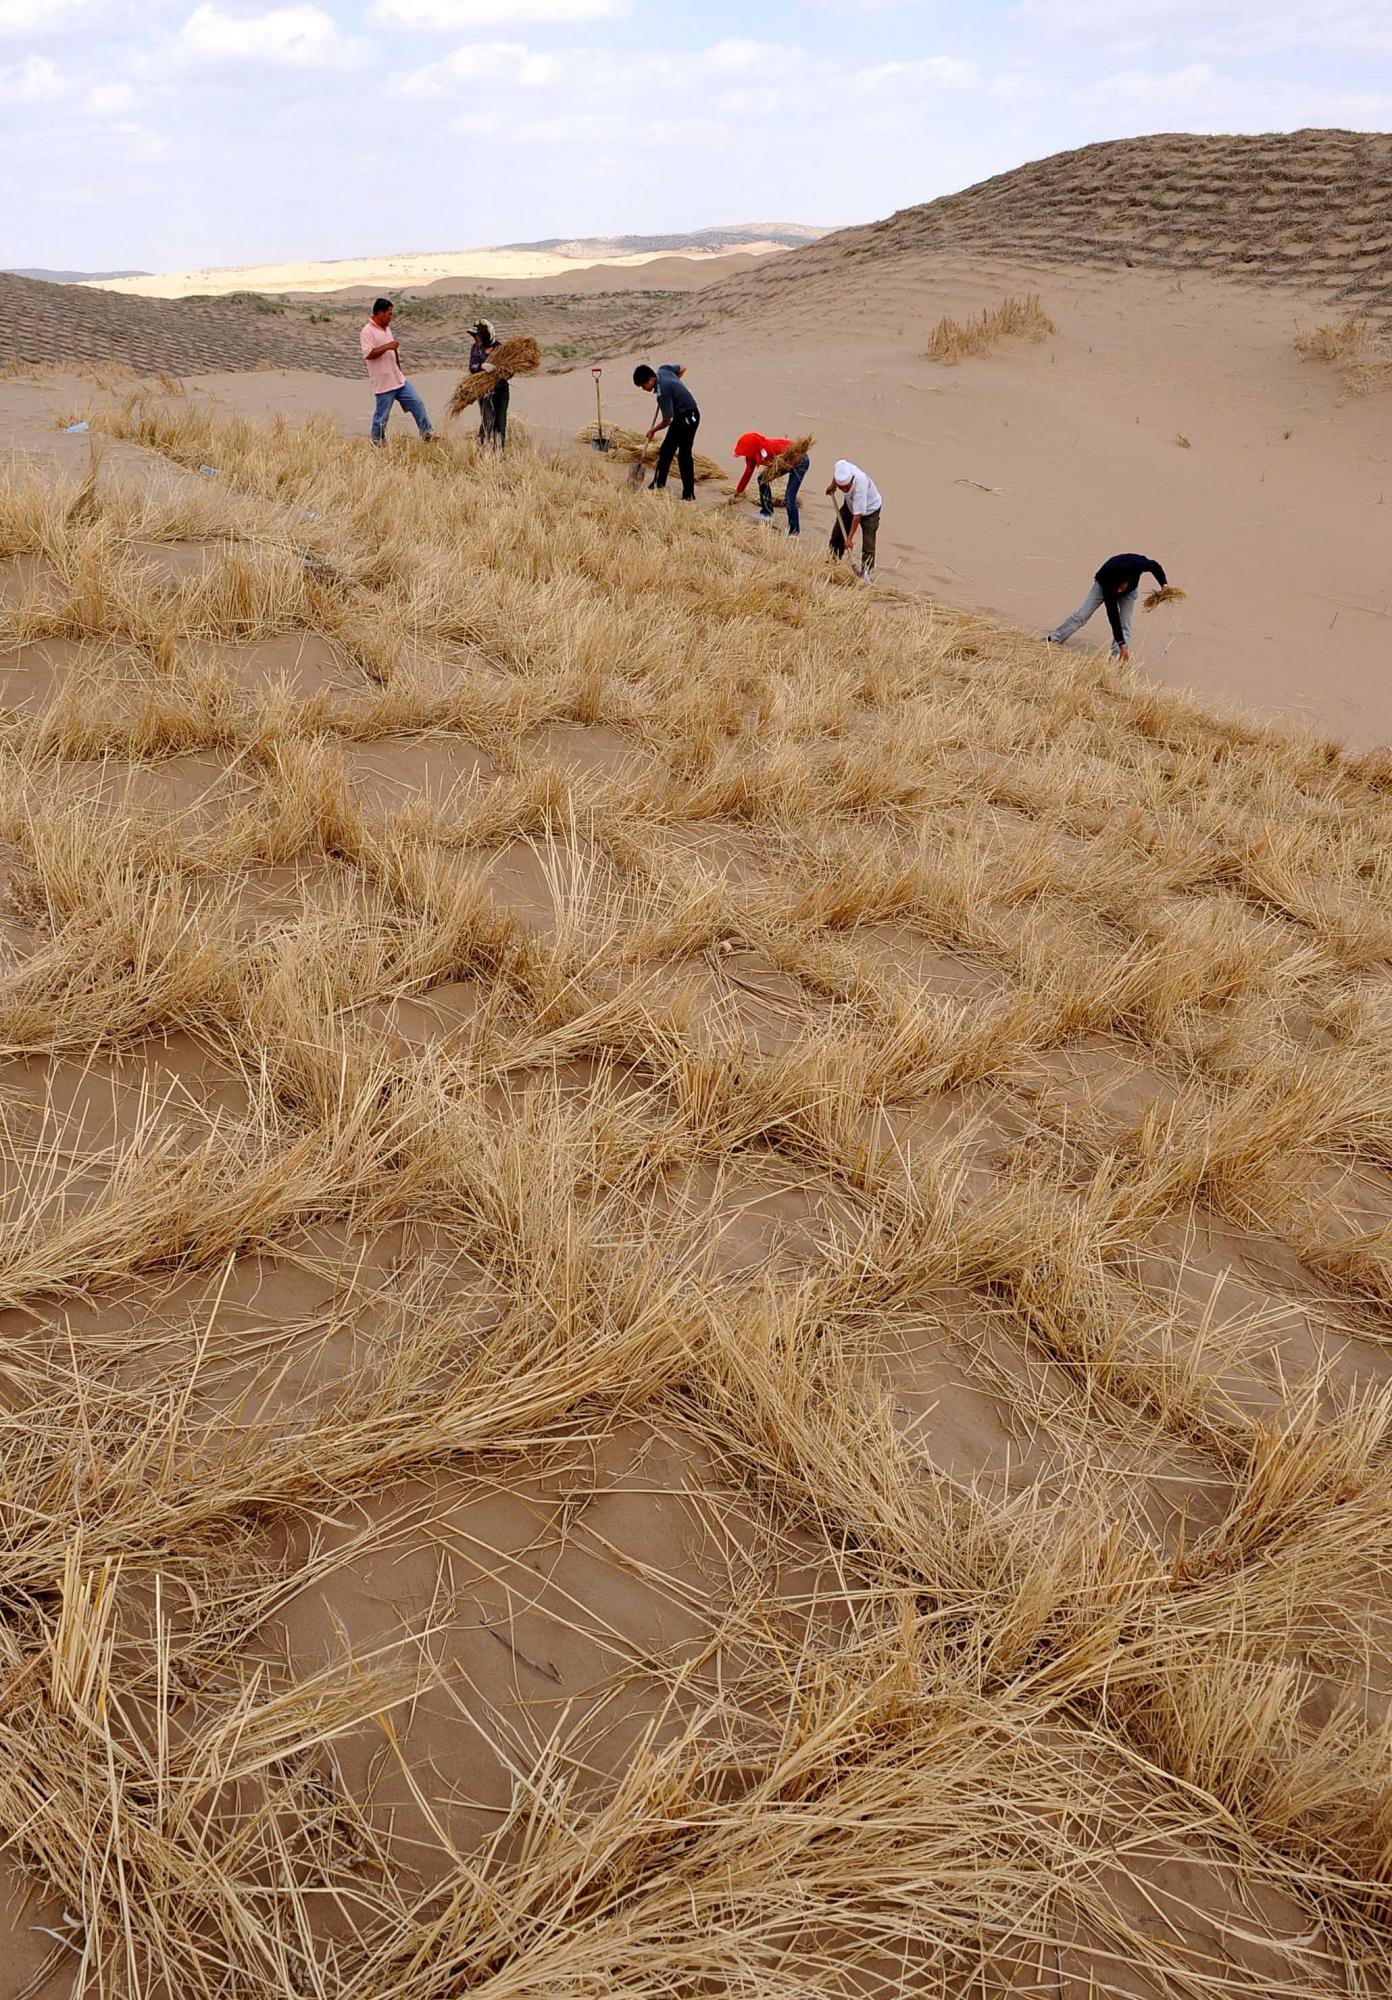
column 1007, row 480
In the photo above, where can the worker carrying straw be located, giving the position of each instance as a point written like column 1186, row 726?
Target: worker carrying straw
column 1115, row 585
column 861, row 510
column 770, row 458
column 493, row 408
column 677, row 415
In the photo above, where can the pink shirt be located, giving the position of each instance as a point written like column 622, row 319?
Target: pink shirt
column 385, row 372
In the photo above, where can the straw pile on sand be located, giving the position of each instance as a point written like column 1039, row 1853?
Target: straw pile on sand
column 629, row 446
column 1170, row 594
column 521, row 355
column 679, row 1321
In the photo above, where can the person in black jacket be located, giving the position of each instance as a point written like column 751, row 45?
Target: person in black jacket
column 1115, row 586
column 678, row 415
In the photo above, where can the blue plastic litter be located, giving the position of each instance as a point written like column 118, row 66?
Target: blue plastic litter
column 211, row 471
column 77, row 427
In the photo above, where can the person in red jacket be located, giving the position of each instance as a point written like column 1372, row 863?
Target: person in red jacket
column 757, row 451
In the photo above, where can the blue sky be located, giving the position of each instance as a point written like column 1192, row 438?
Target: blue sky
column 174, row 133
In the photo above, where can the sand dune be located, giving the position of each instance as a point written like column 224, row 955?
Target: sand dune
column 696, row 1259
column 471, row 267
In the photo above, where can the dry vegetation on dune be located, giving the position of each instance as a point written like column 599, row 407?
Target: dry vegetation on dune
column 1013, row 319
column 696, row 1271
column 1354, row 344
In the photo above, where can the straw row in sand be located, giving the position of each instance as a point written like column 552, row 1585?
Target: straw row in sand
column 519, row 356
column 629, row 446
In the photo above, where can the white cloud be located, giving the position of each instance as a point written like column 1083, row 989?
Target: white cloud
column 1200, row 97
column 446, row 16
column 926, row 73
column 44, row 17
column 139, row 143
column 1360, row 27
column 110, row 100
column 286, row 37
column 34, row 81
column 482, row 62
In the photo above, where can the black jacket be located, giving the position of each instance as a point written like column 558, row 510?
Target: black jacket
column 1117, row 576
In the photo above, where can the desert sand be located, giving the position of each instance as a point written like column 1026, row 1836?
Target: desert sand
column 696, row 1268
column 457, row 268
column 1008, row 479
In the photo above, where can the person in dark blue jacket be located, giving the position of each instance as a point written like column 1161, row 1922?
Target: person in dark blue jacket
column 678, row 416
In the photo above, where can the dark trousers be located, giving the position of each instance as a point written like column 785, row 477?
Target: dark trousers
column 869, row 535
column 677, row 442
column 493, row 416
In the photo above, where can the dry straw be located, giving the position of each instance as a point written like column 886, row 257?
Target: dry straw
column 684, row 1318
column 1014, row 318
column 783, row 462
column 1170, row 593
column 628, row 447
column 520, row 355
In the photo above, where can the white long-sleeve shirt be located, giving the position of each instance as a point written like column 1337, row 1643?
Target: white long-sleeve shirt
column 864, row 496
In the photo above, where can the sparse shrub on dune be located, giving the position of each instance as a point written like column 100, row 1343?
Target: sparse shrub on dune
column 1343, row 340
column 1354, row 344
column 1013, row 319
column 695, row 1275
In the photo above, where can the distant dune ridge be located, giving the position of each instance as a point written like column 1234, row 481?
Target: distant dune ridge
column 1307, row 209
column 497, row 263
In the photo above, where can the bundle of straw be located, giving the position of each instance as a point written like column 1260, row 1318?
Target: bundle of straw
column 628, row 446
column 519, row 356
column 791, row 455
column 1171, row 594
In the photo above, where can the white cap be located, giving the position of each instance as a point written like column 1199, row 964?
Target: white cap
column 844, row 473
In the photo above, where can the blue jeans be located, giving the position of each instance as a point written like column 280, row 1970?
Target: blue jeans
column 410, row 403
column 795, row 479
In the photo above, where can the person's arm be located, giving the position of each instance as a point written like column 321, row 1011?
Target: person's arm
column 1113, row 607
column 1158, row 573
column 387, row 347
column 745, row 477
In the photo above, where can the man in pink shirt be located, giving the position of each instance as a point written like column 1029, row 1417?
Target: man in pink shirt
column 381, row 352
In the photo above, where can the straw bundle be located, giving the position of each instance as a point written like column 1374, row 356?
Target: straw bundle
column 519, row 356
column 791, row 455
column 1171, row 594
column 628, row 446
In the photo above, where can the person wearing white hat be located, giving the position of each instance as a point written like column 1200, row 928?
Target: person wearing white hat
column 862, row 511
column 493, row 409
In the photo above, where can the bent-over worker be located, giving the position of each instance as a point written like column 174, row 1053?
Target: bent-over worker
column 1115, row 586
column 758, row 451
column 861, row 511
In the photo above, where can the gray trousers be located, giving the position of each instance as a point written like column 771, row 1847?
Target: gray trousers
column 1126, row 607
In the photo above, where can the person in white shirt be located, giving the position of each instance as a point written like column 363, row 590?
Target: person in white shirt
column 862, row 511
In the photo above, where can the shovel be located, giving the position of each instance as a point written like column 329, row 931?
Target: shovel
column 637, row 472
